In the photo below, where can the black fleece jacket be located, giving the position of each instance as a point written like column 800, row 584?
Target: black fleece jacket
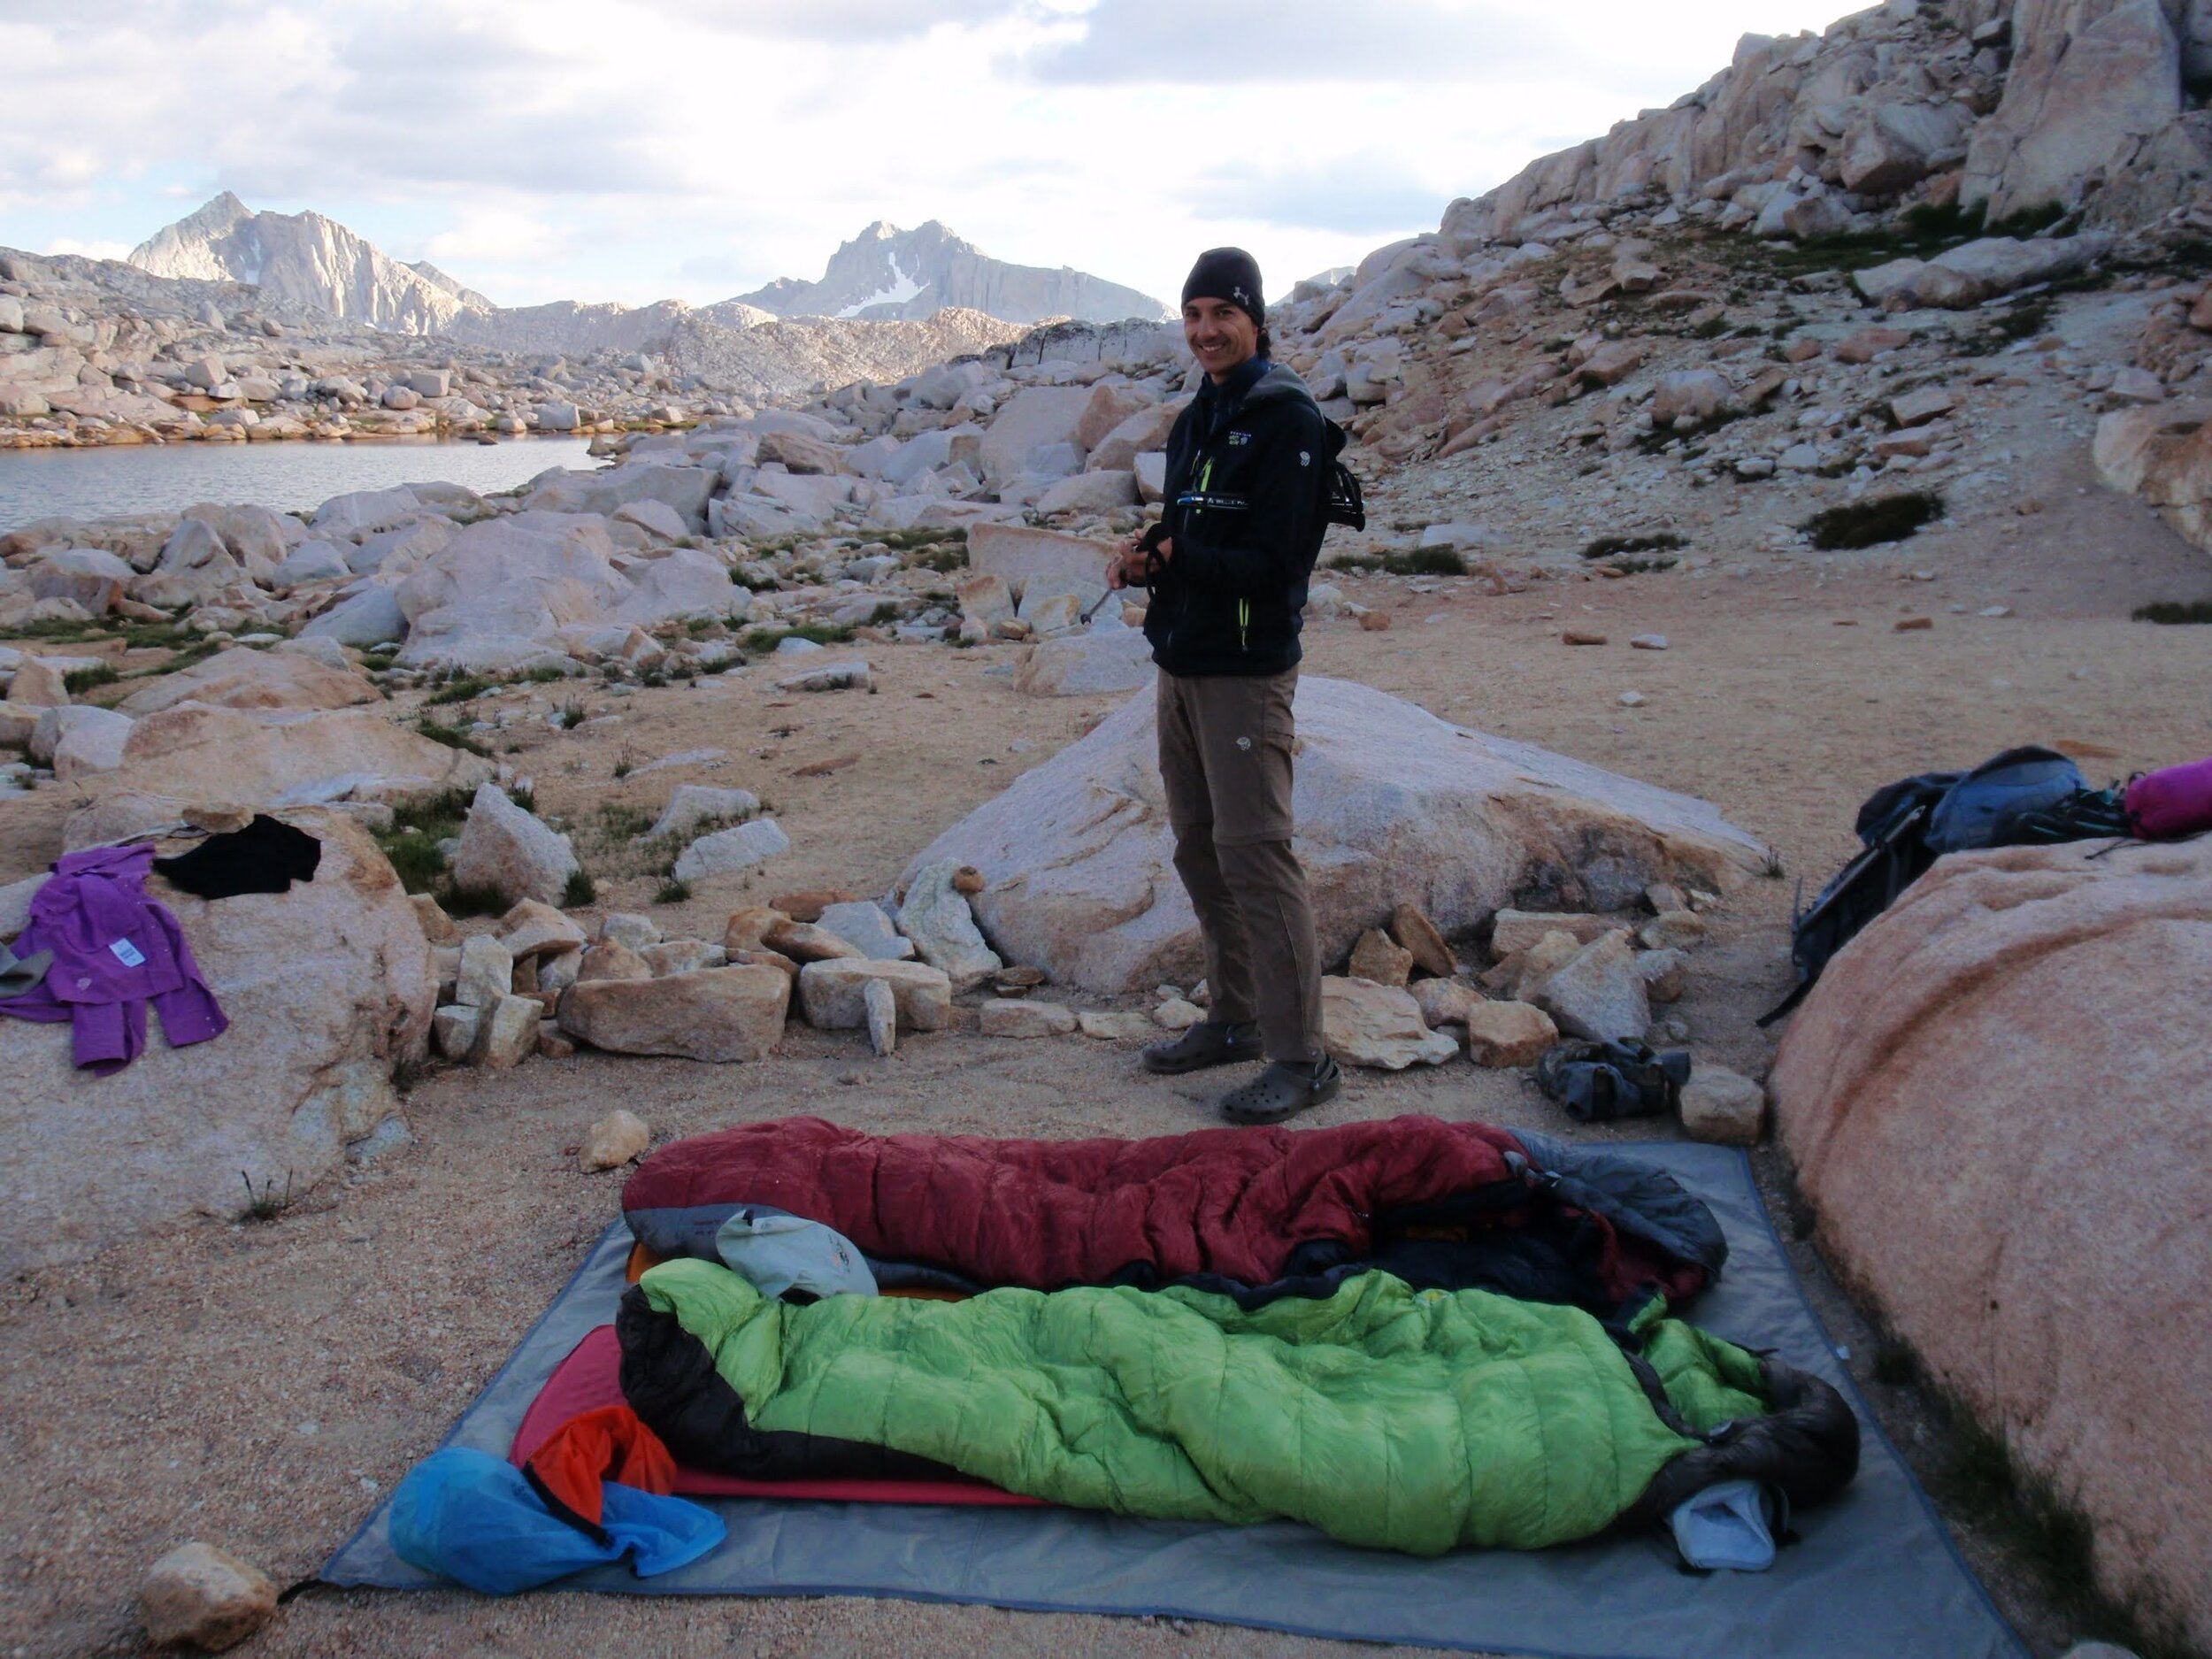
column 1246, row 465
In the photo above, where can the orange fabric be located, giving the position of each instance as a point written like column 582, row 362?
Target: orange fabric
column 606, row 1444
column 641, row 1260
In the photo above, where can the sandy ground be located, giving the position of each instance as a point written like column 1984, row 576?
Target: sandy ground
column 262, row 1385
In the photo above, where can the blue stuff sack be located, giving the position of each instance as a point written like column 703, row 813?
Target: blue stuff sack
column 468, row 1516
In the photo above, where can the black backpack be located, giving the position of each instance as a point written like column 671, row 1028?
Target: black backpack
column 2024, row 797
column 1341, row 500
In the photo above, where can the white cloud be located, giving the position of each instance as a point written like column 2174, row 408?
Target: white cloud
column 636, row 150
column 499, row 234
column 89, row 250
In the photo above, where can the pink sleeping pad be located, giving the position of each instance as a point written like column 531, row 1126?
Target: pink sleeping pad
column 590, row 1377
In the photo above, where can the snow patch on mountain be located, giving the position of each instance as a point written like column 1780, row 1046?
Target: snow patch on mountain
column 901, row 288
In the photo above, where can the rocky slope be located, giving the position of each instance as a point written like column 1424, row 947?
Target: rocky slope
column 310, row 261
column 889, row 272
column 2091, row 109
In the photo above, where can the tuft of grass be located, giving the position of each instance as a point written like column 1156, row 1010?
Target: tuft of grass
column 1771, row 869
column 820, row 633
column 415, row 861
column 622, row 768
column 472, row 902
column 2028, row 320
column 74, row 632
column 570, row 715
column 672, row 892
column 1427, row 561
column 545, row 673
column 907, row 541
column 619, row 821
column 267, row 1204
column 582, row 890
column 1870, row 523
column 1607, row 546
column 460, row 690
column 2026, row 222
column 451, row 736
column 435, row 815
column 418, row 827
column 77, row 681
column 2174, row 611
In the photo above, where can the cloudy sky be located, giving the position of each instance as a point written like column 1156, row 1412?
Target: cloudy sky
column 637, row 150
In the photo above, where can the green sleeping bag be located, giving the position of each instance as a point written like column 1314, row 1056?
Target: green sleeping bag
column 1422, row 1421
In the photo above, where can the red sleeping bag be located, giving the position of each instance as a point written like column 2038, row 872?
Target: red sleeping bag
column 1044, row 1214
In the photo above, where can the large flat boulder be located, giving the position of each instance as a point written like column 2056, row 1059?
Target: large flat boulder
column 327, row 988
column 1996, row 1100
column 194, row 754
column 495, row 597
column 1043, row 559
column 685, row 488
column 498, row 597
column 1393, row 806
column 243, row 677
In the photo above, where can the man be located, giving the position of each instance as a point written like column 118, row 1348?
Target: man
column 1227, row 567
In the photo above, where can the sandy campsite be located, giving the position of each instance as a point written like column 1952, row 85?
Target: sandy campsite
column 783, row 752
column 263, row 1383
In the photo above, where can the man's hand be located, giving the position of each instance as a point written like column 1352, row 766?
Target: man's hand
column 1131, row 565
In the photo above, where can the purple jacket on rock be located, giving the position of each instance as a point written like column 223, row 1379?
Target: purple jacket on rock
column 115, row 951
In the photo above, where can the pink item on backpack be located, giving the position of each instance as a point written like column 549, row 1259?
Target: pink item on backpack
column 2175, row 801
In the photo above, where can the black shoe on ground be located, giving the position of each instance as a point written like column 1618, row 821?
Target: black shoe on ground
column 1285, row 1090
column 1207, row 1043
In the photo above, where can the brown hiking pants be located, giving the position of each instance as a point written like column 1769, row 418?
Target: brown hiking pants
column 1226, row 762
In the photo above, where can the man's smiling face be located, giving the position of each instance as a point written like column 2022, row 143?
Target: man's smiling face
column 1220, row 336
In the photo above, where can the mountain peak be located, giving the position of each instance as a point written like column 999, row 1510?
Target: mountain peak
column 307, row 260
column 885, row 272
column 222, row 210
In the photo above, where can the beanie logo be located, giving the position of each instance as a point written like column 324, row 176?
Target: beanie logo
column 1240, row 295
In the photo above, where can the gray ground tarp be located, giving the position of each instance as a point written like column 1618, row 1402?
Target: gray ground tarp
column 1876, row 1574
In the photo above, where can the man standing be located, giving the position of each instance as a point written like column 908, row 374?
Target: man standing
column 1227, row 567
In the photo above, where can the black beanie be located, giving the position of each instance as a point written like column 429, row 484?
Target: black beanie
column 1231, row 274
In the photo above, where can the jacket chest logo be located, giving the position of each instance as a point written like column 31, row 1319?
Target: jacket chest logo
column 1238, row 440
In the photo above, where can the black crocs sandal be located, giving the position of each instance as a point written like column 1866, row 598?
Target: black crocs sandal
column 1207, row 1043
column 1284, row 1090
